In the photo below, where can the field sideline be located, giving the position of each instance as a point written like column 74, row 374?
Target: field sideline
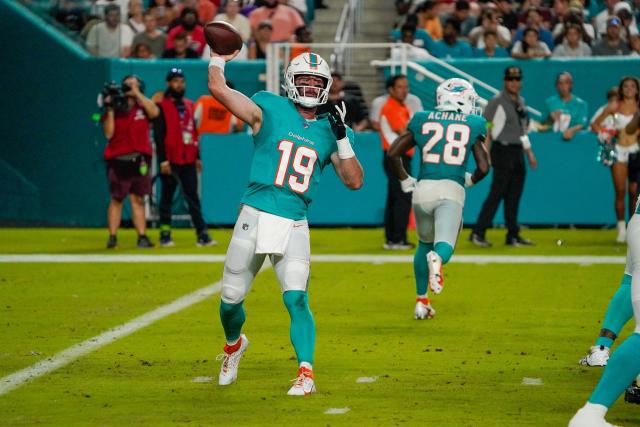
column 501, row 328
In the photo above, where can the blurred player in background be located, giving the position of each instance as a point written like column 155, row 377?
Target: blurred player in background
column 292, row 147
column 445, row 137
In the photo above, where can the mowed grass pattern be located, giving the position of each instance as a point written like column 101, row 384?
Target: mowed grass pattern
column 495, row 325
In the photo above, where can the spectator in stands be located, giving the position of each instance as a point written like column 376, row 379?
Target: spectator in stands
column 205, row 8
column 413, row 52
column 508, row 17
column 509, row 121
column 178, row 157
column 356, row 117
column 135, row 19
column 429, row 20
column 403, row 6
column 572, row 46
column 450, row 46
column 489, row 21
column 284, row 19
column 619, row 113
column 630, row 28
column 164, row 11
column 301, row 35
column 491, row 48
column 394, row 118
column 232, row 16
column 193, row 30
column 128, row 156
column 462, row 13
column 110, row 38
column 258, row 45
column 602, row 18
column 634, row 45
column 410, row 33
column 151, row 36
column 530, row 46
column 566, row 112
column 213, row 117
column 611, row 44
column 533, row 19
column 180, row 49
column 142, row 51
column 588, row 33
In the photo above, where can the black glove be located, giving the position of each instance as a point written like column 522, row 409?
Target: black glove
column 336, row 120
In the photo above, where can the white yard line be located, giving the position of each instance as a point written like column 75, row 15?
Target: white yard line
column 362, row 258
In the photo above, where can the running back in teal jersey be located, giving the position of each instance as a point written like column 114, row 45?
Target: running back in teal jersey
column 290, row 154
column 445, row 139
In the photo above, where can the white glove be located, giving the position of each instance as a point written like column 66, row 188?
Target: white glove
column 468, row 182
column 408, row 184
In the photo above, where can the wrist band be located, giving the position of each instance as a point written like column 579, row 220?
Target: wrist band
column 345, row 150
column 468, row 182
column 218, row 62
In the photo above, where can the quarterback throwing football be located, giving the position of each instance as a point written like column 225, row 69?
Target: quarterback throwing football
column 445, row 137
column 292, row 147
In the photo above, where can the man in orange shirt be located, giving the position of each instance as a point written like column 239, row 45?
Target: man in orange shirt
column 213, row 117
column 394, row 117
column 284, row 19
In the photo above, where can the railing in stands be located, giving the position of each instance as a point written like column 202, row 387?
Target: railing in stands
column 341, row 58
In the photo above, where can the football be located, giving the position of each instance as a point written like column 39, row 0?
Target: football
column 222, row 37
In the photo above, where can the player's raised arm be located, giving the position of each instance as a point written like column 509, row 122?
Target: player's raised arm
column 344, row 161
column 236, row 102
column 400, row 146
column 481, row 156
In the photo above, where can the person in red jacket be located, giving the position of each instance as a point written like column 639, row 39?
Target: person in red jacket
column 178, row 155
column 128, row 155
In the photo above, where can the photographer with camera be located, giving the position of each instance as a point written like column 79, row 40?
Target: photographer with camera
column 179, row 157
column 508, row 123
column 128, row 153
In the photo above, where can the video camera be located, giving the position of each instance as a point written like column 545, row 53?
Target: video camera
column 117, row 98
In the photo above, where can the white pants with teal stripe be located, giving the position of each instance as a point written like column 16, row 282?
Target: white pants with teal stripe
column 437, row 206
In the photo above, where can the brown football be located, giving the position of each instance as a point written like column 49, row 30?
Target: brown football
column 222, row 37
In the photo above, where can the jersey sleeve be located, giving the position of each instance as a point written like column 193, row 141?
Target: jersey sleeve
column 479, row 128
column 266, row 100
column 414, row 124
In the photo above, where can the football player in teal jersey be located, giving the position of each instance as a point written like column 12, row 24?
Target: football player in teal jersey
column 291, row 148
column 624, row 364
column 444, row 137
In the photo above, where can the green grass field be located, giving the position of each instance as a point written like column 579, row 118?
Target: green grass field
column 496, row 324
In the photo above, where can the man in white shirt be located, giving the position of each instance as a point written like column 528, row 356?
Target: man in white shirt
column 110, row 38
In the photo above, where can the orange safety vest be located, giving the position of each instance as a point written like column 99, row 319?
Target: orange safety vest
column 398, row 116
column 214, row 118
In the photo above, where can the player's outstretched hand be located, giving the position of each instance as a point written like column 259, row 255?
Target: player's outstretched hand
column 336, row 120
column 408, row 184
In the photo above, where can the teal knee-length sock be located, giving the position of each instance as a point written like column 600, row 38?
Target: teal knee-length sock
column 622, row 368
column 421, row 267
column 445, row 251
column 619, row 312
column 232, row 317
column 303, row 327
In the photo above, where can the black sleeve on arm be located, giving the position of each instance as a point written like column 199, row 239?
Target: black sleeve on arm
column 481, row 157
column 400, row 146
column 159, row 134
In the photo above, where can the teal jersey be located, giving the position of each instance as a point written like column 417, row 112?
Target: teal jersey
column 290, row 153
column 576, row 108
column 444, row 139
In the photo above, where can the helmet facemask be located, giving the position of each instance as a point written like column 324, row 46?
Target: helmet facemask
column 308, row 64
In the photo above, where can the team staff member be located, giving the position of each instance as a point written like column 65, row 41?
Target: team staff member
column 394, row 118
column 508, row 121
column 128, row 155
column 213, row 117
column 178, row 155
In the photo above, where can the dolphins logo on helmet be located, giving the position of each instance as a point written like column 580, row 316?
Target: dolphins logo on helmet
column 456, row 95
column 307, row 63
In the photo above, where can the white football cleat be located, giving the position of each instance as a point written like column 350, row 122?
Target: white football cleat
column 587, row 418
column 435, row 272
column 423, row 311
column 598, row 356
column 303, row 385
column 230, row 362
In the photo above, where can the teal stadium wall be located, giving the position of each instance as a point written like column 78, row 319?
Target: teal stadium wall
column 52, row 173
